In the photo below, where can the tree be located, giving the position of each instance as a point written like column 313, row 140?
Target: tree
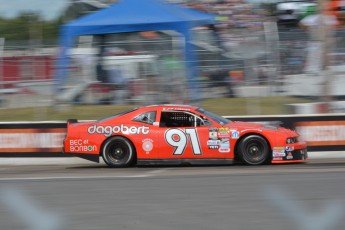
column 29, row 26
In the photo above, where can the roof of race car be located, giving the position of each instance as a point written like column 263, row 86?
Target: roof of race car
column 163, row 107
column 173, row 107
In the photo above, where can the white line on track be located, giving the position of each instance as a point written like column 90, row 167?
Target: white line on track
column 157, row 172
column 144, row 175
column 71, row 177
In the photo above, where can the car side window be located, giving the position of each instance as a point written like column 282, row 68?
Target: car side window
column 147, row 117
column 180, row 119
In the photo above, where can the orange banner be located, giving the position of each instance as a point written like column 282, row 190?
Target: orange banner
column 318, row 133
column 32, row 140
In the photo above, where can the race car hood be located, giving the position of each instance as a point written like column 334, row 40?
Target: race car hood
column 251, row 125
column 245, row 125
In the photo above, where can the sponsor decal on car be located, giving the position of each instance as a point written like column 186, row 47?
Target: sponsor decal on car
column 235, row 134
column 80, row 145
column 223, row 132
column 289, row 148
column 289, row 156
column 109, row 130
column 279, row 149
column 277, row 158
column 176, row 108
column 224, row 145
column 147, row 145
column 213, row 133
column 278, row 152
column 213, row 144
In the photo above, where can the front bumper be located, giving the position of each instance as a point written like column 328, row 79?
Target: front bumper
column 294, row 156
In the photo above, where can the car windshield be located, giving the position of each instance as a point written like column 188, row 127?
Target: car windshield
column 219, row 119
column 117, row 115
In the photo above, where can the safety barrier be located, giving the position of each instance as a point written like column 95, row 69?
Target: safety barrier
column 44, row 139
column 32, row 139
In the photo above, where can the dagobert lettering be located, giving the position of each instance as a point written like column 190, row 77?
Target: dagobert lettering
column 109, row 130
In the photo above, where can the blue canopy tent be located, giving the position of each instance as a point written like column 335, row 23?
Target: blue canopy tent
column 134, row 16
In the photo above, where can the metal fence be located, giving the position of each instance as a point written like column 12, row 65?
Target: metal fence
column 237, row 64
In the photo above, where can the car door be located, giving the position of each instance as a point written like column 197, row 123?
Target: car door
column 183, row 134
column 147, row 146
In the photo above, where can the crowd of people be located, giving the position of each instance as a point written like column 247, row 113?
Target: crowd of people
column 232, row 14
column 238, row 19
column 240, row 29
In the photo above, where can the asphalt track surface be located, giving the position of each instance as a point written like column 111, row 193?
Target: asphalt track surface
column 92, row 196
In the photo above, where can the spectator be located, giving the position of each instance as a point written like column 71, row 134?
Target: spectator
column 313, row 24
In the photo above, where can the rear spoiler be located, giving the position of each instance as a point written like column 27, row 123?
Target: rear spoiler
column 72, row 121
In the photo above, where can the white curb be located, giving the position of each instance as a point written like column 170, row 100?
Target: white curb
column 79, row 161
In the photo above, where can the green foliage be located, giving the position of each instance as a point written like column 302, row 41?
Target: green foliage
column 270, row 8
column 221, row 106
column 28, row 25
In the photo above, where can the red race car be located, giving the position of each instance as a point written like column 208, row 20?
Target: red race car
column 178, row 134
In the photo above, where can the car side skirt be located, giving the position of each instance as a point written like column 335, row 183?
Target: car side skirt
column 185, row 161
column 90, row 157
column 287, row 162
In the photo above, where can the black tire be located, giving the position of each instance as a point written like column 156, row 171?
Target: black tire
column 253, row 150
column 118, row 152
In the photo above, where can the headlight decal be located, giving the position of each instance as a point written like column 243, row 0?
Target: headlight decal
column 291, row 140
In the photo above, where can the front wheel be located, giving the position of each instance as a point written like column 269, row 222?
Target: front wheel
column 118, row 152
column 253, row 150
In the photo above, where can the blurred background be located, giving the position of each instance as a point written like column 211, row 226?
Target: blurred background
column 258, row 57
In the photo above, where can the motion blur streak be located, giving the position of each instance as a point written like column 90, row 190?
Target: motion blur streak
column 326, row 219
column 29, row 212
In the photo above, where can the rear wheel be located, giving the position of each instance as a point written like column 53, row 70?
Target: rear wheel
column 118, row 152
column 253, row 150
